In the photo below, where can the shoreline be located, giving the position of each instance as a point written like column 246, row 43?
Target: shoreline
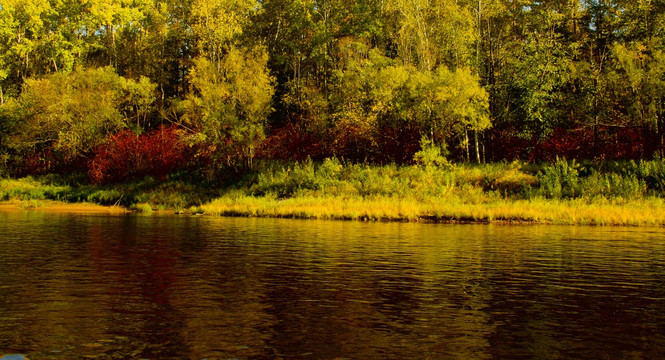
column 510, row 212
column 646, row 212
column 624, row 194
column 61, row 206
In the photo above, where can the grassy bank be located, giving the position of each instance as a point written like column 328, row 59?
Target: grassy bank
column 565, row 192
column 60, row 207
column 642, row 212
column 145, row 195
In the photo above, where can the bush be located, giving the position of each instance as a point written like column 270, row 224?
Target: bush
column 73, row 112
column 287, row 181
column 431, row 154
column 612, row 185
column 560, row 180
column 372, row 181
column 142, row 208
column 651, row 172
column 126, row 156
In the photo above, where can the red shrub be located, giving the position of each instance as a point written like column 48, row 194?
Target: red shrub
column 606, row 142
column 398, row 144
column 126, row 155
column 611, row 143
column 46, row 161
column 291, row 143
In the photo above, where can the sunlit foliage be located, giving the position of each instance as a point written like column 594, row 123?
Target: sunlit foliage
column 363, row 80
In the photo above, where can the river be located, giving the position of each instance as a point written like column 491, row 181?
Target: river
column 86, row 286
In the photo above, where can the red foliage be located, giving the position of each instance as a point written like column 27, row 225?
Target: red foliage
column 388, row 144
column 126, row 155
column 398, row 144
column 352, row 142
column 504, row 144
column 610, row 143
column 47, row 161
column 607, row 142
column 289, row 142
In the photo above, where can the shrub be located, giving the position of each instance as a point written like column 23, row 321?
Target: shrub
column 613, row 185
column 431, row 154
column 142, row 208
column 73, row 112
column 287, row 181
column 126, row 155
column 560, row 180
column 651, row 172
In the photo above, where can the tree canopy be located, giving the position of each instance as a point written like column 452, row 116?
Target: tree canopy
column 362, row 80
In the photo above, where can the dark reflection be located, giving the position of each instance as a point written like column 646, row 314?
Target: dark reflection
column 166, row 287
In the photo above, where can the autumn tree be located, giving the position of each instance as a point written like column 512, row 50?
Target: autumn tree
column 75, row 112
column 232, row 90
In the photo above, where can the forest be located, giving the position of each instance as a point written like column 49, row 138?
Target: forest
column 127, row 88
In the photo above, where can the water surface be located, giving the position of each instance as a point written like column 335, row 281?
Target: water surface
column 168, row 287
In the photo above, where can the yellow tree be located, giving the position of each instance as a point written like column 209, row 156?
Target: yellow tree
column 74, row 112
column 232, row 90
column 217, row 24
column 112, row 17
column 643, row 66
column 230, row 103
column 432, row 32
column 21, row 26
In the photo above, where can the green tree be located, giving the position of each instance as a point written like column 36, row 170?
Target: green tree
column 373, row 90
column 430, row 33
column 217, row 23
column 21, row 26
column 230, row 103
column 72, row 113
column 643, row 66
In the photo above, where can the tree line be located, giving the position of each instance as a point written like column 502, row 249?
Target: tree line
column 363, row 80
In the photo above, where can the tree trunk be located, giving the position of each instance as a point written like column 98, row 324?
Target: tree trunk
column 596, row 147
column 2, row 97
column 477, row 146
column 660, row 139
column 480, row 37
column 466, row 143
column 482, row 145
column 112, row 60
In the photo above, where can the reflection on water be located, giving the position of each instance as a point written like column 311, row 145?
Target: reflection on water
column 167, row 287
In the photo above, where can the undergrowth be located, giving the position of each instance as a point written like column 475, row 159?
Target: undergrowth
column 335, row 189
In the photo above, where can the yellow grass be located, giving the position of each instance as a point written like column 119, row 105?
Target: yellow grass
column 601, row 212
column 58, row 206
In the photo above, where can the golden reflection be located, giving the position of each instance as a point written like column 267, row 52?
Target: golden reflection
column 166, row 287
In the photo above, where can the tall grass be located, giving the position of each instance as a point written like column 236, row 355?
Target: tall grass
column 539, row 210
column 565, row 192
column 29, row 188
column 170, row 194
column 331, row 177
column 628, row 180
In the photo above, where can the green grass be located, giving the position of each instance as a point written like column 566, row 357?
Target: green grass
column 171, row 194
column 565, row 192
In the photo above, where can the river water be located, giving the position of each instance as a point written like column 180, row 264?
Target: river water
column 77, row 286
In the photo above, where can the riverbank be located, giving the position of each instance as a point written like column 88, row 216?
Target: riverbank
column 569, row 212
column 561, row 193
column 59, row 206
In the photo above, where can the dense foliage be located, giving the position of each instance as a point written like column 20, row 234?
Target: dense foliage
column 379, row 81
column 564, row 192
